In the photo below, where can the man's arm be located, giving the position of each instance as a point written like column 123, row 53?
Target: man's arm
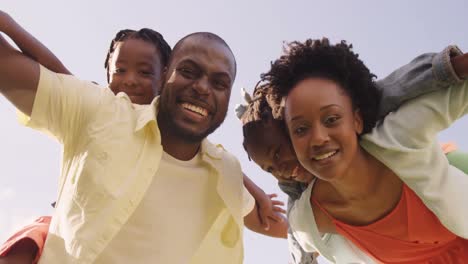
column 19, row 77
column 29, row 45
column 426, row 73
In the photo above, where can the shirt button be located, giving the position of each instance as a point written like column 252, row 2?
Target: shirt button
column 102, row 156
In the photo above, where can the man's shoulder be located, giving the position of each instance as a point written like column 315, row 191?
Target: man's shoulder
column 217, row 151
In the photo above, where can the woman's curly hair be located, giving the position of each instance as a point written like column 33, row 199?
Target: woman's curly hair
column 317, row 58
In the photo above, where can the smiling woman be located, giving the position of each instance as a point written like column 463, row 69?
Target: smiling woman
column 330, row 101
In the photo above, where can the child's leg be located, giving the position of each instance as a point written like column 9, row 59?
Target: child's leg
column 32, row 237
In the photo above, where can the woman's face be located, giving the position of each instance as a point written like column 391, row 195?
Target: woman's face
column 268, row 145
column 323, row 127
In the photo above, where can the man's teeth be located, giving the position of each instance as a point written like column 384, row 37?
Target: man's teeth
column 324, row 156
column 197, row 109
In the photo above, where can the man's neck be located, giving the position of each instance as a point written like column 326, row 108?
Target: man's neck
column 176, row 146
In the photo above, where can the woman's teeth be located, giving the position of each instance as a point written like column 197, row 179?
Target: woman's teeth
column 324, row 156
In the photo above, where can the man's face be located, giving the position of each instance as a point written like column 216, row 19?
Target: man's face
column 195, row 96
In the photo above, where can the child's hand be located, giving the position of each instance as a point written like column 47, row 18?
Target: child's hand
column 5, row 21
column 270, row 210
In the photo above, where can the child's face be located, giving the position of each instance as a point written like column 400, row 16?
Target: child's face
column 135, row 69
column 323, row 127
column 270, row 148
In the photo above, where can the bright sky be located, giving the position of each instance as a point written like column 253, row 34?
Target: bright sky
column 385, row 34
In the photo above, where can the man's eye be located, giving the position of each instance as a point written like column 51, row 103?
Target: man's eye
column 187, row 73
column 221, row 85
column 119, row 70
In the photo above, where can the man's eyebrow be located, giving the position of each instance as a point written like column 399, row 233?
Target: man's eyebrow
column 189, row 61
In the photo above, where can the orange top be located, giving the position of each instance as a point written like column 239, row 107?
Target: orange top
column 410, row 233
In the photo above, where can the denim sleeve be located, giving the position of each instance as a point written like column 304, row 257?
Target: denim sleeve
column 297, row 254
column 426, row 73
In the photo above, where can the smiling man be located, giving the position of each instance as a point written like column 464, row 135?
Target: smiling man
column 140, row 184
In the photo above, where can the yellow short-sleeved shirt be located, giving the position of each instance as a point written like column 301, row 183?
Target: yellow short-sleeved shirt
column 112, row 152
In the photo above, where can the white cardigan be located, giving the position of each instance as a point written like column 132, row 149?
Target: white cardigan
column 406, row 143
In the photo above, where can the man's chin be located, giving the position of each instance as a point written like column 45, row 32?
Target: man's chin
column 189, row 134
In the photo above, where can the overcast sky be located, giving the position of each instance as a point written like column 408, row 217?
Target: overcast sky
column 385, row 34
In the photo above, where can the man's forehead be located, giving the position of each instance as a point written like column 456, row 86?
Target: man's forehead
column 213, row 49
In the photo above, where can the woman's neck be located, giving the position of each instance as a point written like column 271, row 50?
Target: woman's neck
column 361, row 180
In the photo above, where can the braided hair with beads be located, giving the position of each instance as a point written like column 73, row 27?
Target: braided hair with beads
column 145, row 34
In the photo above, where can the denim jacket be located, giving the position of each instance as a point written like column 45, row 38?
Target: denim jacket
column 426, row 73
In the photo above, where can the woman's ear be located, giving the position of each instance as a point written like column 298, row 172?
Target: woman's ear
column 358, row 122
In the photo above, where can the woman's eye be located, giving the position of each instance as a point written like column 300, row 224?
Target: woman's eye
column 331, row 120
column 300, row 130
column 119, row 70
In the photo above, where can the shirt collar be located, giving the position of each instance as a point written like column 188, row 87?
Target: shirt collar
column 147, row 115
column 210, row 150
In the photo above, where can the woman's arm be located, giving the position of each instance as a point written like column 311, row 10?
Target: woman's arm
column 29, row 45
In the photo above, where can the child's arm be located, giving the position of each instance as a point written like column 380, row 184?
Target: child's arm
column 460, row 65
column 268, row 209
column 426, row 73
column 29, row 45
column 26, row 245
column 23, row 252
column 277, row 228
